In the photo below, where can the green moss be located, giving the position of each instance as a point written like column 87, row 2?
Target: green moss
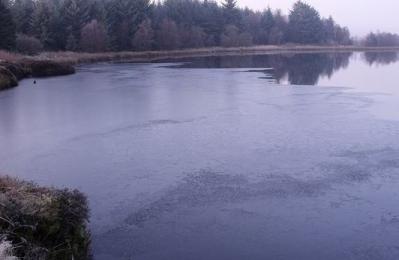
column 44, row 223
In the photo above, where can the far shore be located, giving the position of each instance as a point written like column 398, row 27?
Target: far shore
column 148, row 56
column 14, row 67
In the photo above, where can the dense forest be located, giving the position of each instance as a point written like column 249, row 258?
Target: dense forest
column 381, row 39
column 135, row 25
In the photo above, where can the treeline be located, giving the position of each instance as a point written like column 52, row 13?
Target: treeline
column 381, row 39
column 121, row 25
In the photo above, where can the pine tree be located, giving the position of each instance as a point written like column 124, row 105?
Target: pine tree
column 97, row 11
column 23, row 15
column 278, row 33
column 267, row 23
column 229, row 4
column 75, row 16
column 231, row 13
column 212, row 23
column 305, row 25
column 123, row 19
column 7, row 27
column 42, row 24
column 329, row 30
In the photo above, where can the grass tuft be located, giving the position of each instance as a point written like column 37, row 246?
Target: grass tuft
column 43, row 223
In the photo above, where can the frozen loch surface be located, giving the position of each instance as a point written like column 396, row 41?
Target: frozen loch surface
column 220, row 158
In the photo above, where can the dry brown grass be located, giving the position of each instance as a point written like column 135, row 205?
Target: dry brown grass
column 80, row 57
column 9, row 56
column 43, row 223
column 6, row 251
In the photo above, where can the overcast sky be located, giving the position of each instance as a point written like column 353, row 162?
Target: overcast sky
column 360, row 16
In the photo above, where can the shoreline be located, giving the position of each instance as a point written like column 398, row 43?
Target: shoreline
column 15, row 67
column 75, row 58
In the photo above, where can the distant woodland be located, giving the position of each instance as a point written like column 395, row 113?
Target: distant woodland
column 31, row 26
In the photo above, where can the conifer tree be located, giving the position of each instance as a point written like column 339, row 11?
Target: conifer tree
column 267, row 23
column 97, row 11
column 42, row 24
column 231, row 12
column 229, row 4
column 7, row 27
column 75, row 16
column 212, row 23
column 23, row 15
column 305, row 25
column 123, row 19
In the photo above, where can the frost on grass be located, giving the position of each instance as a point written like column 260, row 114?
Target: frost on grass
column 6, row 251
column 43, row 223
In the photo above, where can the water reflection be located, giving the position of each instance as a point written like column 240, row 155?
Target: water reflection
column 305, row 69
column 381, row 58
column 293, row 69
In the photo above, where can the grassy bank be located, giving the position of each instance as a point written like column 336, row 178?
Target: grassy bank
column 79, row 58
column 14, row 67
column 61, row 63
column 42, row 223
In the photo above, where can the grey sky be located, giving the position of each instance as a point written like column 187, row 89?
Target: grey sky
column 360, row 16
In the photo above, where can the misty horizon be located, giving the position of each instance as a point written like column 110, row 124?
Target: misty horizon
column 357, row 20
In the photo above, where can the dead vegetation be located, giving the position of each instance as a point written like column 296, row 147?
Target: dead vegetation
column 6, row 251
column 42, row 223
column 9, row 56
column 14, row 67
column 80, row 57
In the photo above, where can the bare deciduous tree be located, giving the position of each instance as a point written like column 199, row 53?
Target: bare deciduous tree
column 93, row 37
column 144, row 37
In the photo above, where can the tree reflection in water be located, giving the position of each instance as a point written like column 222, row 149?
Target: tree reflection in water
column 293, row 68
column 381, row 58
